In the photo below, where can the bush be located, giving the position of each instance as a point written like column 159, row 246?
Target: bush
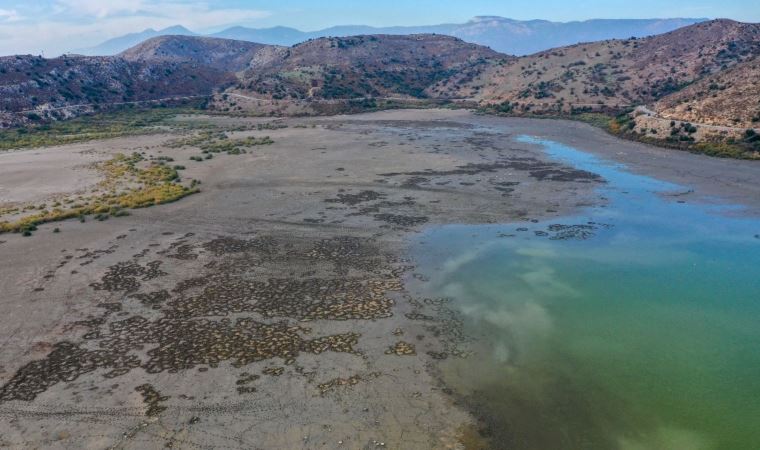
column 154, row 185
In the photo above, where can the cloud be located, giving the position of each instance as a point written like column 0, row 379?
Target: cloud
column 187, row 13
column 74, row 24
column 99, row 8
column 9, row 15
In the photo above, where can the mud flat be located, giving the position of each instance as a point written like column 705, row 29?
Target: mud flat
column 270, row 309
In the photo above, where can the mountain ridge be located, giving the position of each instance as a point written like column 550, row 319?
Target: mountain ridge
column 699, row 73
column 510, row 36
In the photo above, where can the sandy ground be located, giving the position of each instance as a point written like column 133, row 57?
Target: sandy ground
column 66, row 170
column 269, row 310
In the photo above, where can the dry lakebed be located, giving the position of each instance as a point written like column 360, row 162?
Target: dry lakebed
column 290, row 301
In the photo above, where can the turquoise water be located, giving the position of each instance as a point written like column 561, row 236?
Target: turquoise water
column 643, row 333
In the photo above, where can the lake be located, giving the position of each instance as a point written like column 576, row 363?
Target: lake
column 631, row 325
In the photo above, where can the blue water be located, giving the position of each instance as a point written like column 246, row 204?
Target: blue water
column 642, row 334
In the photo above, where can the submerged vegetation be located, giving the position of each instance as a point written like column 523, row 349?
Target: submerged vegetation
column 128, row 184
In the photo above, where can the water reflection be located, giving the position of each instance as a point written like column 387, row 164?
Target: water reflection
column 640, row 332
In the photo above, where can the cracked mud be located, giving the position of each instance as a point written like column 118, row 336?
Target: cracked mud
column 270, row 309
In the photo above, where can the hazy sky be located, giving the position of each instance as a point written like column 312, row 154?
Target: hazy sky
column 55, row 26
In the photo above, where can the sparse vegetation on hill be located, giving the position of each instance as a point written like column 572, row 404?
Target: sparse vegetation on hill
column 728, row 98
column 703, row 78
column 361, row 66
column 34, row 89
column 613, row 74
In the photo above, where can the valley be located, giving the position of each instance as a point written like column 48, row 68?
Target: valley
column 498, row 234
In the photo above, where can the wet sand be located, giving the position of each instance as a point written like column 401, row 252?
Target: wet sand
column 269, row 310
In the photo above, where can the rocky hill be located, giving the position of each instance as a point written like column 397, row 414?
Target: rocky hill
column 34, row 88
column 613, row 73
column 362, row 66
column 727, row 98
column 222, row 54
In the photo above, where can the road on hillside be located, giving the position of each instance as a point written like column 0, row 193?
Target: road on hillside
column 83, row 105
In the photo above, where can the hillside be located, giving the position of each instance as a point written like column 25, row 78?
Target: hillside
column 32, row 87
column 613, row 73
column 361, row 66
column 705, row 73
column 222, row 54
column 727, row 98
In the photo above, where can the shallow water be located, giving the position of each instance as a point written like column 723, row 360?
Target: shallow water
column 639, row 329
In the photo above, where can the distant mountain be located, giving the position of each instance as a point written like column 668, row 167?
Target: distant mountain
column 272, row 36
column 517, row 37
column 527, row 37
column 119, row 44
column 508, row 36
